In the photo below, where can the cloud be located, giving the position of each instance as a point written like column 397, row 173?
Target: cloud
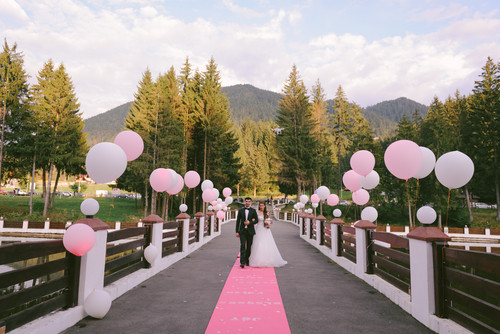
column 443, row 13
column 11, row 12
column 245, row 12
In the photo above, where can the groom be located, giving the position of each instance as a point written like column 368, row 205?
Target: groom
column 245, row 221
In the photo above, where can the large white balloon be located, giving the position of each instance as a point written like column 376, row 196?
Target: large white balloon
column 315, row 205
column 183, row 208
column 323, row 193
column 371, row 180
column 89, row 207
column 97, row 304
column 428, row 163
column 105, row 162
column 426, row 215
column 454, row 169
column 207, row 184
column 369, row 213
column 337, row 213
column 303, row 199
column 228, row 200
column 216, row 192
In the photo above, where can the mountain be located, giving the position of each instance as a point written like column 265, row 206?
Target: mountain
column 247, row 101
column 105, row 126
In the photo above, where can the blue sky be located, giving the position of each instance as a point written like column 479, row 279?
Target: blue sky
column 377, row 50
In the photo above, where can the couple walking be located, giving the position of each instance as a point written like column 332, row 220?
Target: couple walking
column 257, row 246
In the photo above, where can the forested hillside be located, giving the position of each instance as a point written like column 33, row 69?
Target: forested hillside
column 249, row 102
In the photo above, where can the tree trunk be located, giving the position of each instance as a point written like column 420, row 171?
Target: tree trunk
column 4, row 113
column 44, row 182
column 467, row 197
column 154, row 196
column 47, row 193
column 254, row 192
column 32, row 184
column 194, row 201
column 146, row 201
column 53, row 195
column 497, row 186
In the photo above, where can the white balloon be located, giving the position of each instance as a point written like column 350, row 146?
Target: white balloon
column 303, row 199
column 216, row 191
column 370, row 181
column 369, row 213
column 337, row 213
column 218, row 207
column 183, row 207
column 150, row 253
column 176, row 178
column 210, row 208
column 97, row 304
column 428, row 163
column 454, row 169
column 323, row 193
column 228, row 200
column 309, row 211
column 315, row 205
column 207, row 184
column 105, row 162
column 219, row 200
column 426, row 215
column 89, row 207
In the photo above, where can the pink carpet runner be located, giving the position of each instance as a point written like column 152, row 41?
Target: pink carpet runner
column 249, row 303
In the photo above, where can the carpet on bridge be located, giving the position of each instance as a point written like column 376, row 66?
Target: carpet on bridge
column 250, row 302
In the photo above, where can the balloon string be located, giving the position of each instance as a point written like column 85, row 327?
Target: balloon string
column 416, row 198
column 409, row 205
column 448, row 206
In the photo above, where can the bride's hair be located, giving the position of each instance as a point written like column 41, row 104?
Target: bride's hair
column 265, row 208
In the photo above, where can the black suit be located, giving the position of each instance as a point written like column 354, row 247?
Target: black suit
column 246, row 232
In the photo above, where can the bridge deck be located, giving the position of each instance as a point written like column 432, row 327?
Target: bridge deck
column 318, row 295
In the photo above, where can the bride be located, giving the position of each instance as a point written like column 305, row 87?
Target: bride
column 264, row 253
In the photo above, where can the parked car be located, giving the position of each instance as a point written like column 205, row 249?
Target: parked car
column 344, row 202
column 480, row 205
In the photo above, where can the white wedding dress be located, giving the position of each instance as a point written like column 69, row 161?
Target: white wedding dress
column 264, row 253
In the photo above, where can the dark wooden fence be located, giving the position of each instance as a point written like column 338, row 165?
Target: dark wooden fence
column 172, row 238
column 468, row 288
column 390, row 263
column 326, row 234
column 206, row 227
column 312, row 229
column 127, row 256
column 348, row 242
column 193, row 231
column 303, row 225
column 44, row 278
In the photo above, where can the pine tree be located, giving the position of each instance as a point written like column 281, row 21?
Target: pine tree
column 13, row 93
column 296, row 145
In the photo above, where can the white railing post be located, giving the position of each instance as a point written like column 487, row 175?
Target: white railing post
column 201, row 226
column 301, row 224
column 319, row 220
column 25, row 225
column 183, row 219
column 155, row 224
column 46, row 224
column 422, row 271
column 92, row 264
column 1, row 223
column 362, row 227
column 388, row 228
column 117, row 225
column 211, row 223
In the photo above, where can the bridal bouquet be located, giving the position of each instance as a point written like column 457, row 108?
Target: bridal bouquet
column 268, row 222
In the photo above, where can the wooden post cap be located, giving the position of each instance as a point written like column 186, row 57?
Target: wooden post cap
column 95, row 223
column 210, row 213
column 199, row 214
column 337, row 221
column 151, row 219
column 183, row 215
column 364, row 224
column 428, row 233
column 321, row 217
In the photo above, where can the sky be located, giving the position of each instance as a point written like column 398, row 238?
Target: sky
column 376, row 50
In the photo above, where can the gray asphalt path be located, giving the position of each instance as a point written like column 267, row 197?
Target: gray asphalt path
column 318, row 295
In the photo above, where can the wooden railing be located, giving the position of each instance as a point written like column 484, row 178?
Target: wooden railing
column 326, row 234
column 206, row 227
column 45, row 279
column 172, row 238
column 468, row 288
column 348, row 242
column 124, row 253
column 391, row 262
column 193, row 231
column 312, row 229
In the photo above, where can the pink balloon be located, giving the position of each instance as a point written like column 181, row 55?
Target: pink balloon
column 360, row 197
column 160, row 179
column 208, row 195
column 332, row 200
column 315, row 198
column 178, row 186
column 220, row 214
column 79, row 239
column 352, row 180
column 131, row 143
column 224, row 205
column 214, row 203
column 226, row 192
column 192, row 179
column 362, row 162
column 403, row 159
